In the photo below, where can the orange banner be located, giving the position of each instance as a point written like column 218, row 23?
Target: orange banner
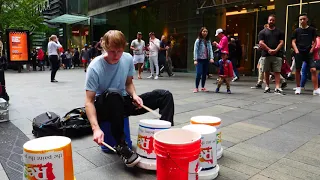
column 18, row 43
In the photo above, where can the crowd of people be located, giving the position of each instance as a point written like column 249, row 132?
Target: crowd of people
column 272, row 63
column 157, row 53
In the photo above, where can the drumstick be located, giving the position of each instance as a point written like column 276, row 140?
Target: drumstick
column 108, row 146
column 152, row 111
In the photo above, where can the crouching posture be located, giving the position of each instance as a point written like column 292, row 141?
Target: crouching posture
column 111, row 94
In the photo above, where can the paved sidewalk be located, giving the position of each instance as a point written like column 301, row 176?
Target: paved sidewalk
column 265, row 136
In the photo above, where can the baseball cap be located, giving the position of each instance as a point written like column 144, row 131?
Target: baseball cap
column 139, row 33
column 218, row 31
column 86, row 45
column 224, row 52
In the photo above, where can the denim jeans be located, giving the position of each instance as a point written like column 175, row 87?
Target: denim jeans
column 304, row 74
column 202, row 69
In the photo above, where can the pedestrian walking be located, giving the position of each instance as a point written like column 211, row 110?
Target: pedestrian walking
column 40, row 58
column 202, row 53
column 85, row 56
column 53, row 50
column 154, row 46
column 138, row 47
column 68, row 59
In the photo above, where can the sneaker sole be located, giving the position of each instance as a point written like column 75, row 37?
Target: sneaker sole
column 134, row 163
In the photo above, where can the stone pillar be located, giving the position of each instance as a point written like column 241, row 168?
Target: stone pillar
column 221, row 18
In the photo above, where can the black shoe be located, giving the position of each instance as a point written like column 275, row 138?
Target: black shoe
column 129, row 157
column 279, row 91
column 54, row 81
column 257, row 86
column 267, row 90
column 283, row 85
column 160, row 75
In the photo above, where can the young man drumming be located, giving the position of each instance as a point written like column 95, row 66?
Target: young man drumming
column 111, row 94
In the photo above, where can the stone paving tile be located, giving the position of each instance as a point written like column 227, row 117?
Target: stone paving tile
column 260, row 177
column 238, row 133
column 97, row 157
column 24, row 125
column 243, row 114
column 232, row 174
column 237, row 166
column 238, row 104
column 245, row 160
column 83, row 143
column 280, row 140
column 274, row 174
column 255, row 152
column 305, row 157
column 249, row 127
column 81, row 164
column 300, row 166
column 3, row 175
column 284, row 103
column 295, row 172
column 273, row 120
column 263, row 107
column 315, row 139
column 116, row 171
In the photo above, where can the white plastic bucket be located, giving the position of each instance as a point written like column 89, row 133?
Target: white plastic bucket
column 147, row 129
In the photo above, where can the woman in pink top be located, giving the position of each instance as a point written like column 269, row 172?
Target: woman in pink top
column 223, row 44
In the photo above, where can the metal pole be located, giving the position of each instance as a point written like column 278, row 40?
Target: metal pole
column 286, row 33
column 255, row 40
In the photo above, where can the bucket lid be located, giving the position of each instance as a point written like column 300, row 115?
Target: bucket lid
column 47, row 143
column 177, row 136
column 201, row 128
column 208, row 120
column 155, row 123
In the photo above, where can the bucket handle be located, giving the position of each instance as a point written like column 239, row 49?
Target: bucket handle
column 169, row 157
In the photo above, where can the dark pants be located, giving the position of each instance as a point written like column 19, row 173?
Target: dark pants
column 235, row 69
column 55, row 64
column 202, row 70
column 113, row 107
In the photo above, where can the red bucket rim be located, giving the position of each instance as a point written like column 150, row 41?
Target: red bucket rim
column 194, row 137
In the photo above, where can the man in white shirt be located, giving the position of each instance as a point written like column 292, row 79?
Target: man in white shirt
column 154, row 46
column 53, row 49
column 138, row 48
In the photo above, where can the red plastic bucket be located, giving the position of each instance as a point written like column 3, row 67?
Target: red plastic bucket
column 177, row 153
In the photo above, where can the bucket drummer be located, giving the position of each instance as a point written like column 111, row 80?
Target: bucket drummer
column 111, row 94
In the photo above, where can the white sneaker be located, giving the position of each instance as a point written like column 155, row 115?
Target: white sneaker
column 316, row 92
column 156, row 77
column 298, row 90
column 150, row 77
column 234, row 79
column 302, row 88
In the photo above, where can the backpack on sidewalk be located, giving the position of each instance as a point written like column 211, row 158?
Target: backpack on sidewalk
column 74, row 124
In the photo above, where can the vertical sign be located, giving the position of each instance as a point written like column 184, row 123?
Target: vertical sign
column 18, row 45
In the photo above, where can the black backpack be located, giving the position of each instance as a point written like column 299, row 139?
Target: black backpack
column 74, row 124
column 46, row 124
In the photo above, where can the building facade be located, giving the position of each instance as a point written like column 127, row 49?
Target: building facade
column 181, row 20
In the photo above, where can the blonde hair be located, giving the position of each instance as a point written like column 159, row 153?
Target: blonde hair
column 114, row 39
column 52, row 37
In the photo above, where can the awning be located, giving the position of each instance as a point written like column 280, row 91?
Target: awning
column 69, row 19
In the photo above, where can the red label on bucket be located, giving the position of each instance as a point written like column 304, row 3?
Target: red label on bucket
column 145, row 143
column 206, row 155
